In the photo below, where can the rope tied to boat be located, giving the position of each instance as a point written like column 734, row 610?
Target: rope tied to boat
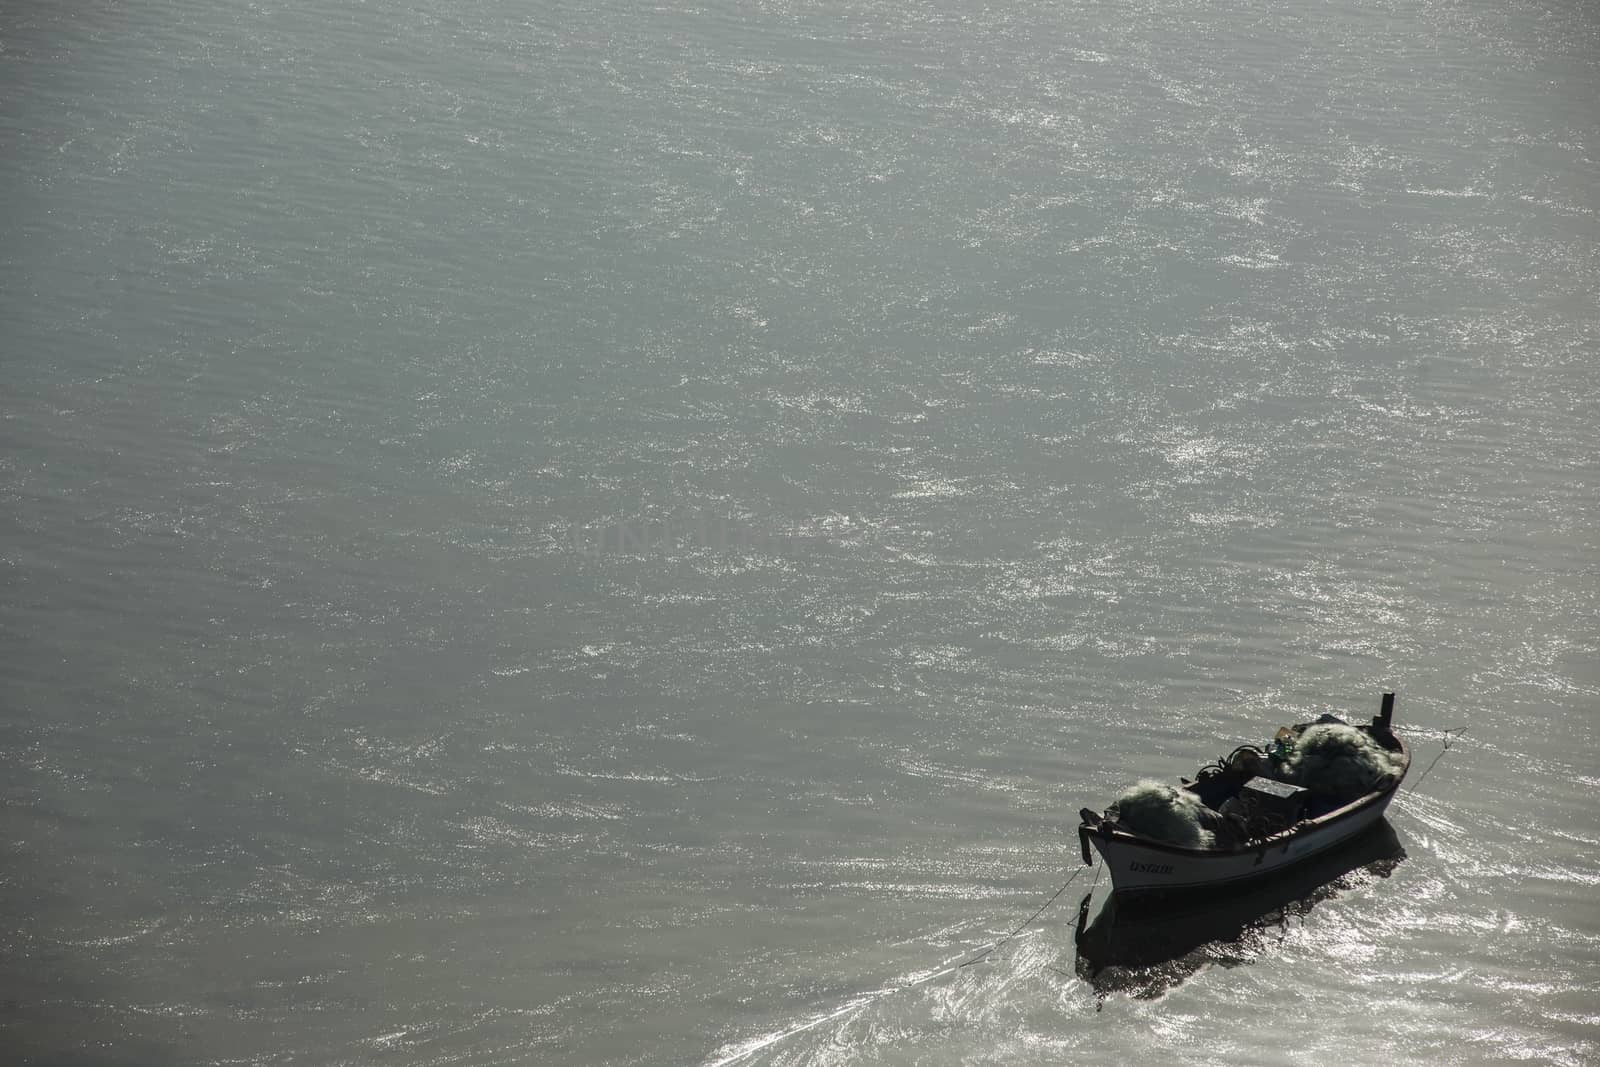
column 1029, row 921
column 1449, row 734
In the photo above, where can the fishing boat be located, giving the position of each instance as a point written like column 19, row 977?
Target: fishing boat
column 1257, row 812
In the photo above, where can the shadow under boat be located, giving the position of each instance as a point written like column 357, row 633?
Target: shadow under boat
column 1145, row 947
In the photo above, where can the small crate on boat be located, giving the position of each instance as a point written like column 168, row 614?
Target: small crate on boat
column 1267, row 796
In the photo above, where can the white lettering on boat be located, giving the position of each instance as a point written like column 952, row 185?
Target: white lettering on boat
column 1150, row 868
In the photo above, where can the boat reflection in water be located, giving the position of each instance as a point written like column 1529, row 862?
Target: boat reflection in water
column 1144, row 948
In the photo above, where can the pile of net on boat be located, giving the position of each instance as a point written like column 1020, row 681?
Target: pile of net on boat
column 1339, row 761
column 1166, row 813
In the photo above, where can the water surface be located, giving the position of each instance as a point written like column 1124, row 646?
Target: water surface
column 602, row 534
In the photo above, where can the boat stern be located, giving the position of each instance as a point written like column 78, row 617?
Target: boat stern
column 1089, row 823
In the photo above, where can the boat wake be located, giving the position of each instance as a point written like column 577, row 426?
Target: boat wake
column 749, row 1047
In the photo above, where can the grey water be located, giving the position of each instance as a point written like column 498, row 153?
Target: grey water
column 608, row 533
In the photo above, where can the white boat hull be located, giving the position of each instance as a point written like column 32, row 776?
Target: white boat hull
column 1136, row 866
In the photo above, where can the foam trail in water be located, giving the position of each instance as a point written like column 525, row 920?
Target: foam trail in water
column 754, row 1045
